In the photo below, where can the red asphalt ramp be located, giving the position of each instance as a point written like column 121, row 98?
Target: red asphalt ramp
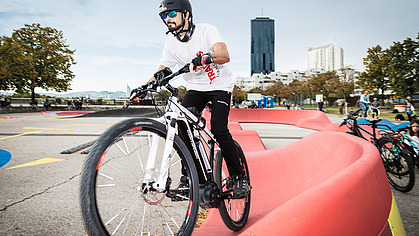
column 328, row 183
column 302, row 118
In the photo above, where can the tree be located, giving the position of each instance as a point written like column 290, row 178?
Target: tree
column 14, row 64
column 181, row 92
column 325, row 83
column 276, row 90
column 256, row 90
column 42, row 60
column 376, row 71
column 404, row 67
column 238, row 94
column 298, row 89
column 346, row 78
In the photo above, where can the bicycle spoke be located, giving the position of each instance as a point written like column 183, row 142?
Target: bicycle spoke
column 120, row 191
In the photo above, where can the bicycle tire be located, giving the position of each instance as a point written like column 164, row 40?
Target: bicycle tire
column 234, row 212
column 399, row 168
column 369, row 113
column 113, row 198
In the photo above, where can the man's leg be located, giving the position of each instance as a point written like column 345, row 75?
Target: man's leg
column 219, row 120
column 219, row 127
column 364, row 109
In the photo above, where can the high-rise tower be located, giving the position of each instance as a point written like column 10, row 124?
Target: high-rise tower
column 262, row 52
column 328, row 57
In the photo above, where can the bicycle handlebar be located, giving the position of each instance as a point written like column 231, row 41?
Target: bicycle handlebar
column 162, row 76
column 351, row 116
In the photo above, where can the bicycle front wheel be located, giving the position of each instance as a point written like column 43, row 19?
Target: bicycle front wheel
column 398, row 165
column 117, row 197
column 234, row 212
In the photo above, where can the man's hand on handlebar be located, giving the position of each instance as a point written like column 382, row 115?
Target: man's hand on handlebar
column 160, row 78
column 140, row 92
column 199, row 62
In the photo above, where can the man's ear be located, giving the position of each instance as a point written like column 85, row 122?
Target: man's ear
column 187, row 15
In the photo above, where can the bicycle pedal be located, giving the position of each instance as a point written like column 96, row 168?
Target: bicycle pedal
column 176, row 196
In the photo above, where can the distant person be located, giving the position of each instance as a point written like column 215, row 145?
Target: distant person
column 410, row 109
column 340, row 106
column 414, row 129
column 44, row 104
column 320, row 105
column 364, row 102
column 375, row 105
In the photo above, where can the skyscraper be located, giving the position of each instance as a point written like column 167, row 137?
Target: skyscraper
column 328, row 57
column 262, row 52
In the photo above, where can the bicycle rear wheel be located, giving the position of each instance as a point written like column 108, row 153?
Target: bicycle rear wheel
column 234, row 212
column 114, row 198
column 398, row 165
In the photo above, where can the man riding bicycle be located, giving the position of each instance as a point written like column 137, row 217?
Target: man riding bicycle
column 364, row 102
column 209, row 79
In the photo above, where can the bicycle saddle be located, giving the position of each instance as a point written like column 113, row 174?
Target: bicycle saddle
column 374, row 120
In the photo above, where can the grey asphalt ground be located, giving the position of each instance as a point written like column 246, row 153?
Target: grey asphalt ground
column 42, row 198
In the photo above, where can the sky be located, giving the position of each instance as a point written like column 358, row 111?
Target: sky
column 119, row 43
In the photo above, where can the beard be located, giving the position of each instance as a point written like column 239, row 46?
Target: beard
column 172, row 27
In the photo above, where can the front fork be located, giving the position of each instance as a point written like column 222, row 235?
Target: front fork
column 149, row 180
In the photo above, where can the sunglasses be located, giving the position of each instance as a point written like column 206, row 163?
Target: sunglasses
column 171, row 14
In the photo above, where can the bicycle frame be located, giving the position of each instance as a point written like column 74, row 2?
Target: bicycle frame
column 176, row 114
column 357, row 131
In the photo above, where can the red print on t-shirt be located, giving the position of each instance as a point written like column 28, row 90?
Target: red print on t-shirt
column 208, row 69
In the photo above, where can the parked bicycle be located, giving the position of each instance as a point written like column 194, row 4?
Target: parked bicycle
column 131, row 181
column 396, row 157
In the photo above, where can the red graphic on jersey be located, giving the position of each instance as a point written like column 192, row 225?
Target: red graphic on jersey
column 210, row 73
column 208, row 69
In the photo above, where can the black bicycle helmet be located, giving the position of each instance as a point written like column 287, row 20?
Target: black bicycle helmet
column 177, row 5
column 183, row 6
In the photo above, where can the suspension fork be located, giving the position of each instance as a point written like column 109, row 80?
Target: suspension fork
column 160, row 183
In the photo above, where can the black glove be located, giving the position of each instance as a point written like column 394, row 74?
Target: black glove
column 140, row 92
column 161, row 74
column 202, row 60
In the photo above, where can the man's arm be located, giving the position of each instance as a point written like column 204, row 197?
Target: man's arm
column 220, row 54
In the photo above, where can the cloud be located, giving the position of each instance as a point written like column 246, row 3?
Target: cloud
column 105, row 61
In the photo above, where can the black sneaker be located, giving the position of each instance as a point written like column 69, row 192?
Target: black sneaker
column 240, row 186
column 181, row 192
column 184, row 184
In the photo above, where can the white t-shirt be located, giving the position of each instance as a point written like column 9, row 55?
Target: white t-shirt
column 212, row 77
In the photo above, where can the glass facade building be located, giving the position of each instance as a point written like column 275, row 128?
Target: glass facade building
column 262, row 52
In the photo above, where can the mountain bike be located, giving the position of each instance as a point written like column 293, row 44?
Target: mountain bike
column 142, row 178
column 396, row 157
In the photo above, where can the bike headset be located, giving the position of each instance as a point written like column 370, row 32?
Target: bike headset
column 183, row 6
